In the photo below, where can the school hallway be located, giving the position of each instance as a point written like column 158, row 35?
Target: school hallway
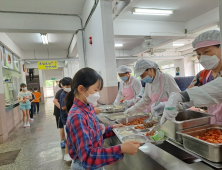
column 39, row 145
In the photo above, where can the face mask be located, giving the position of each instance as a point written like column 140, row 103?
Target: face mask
column 209, row 62
column 147, row 79
column 124, row 78
column 93, row 98
column 67, row 90
column 35, row 91
column 24, row 89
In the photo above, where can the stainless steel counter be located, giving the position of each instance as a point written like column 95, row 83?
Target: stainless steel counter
column 154, row 157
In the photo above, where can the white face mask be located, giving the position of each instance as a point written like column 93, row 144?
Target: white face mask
column 67, row 90
column 209, row 62
column 35, row 91
column 24, row 89
column 93, row 98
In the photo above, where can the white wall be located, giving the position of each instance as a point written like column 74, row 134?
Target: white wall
column 186, row 67
column 44, row 54
column 49, row 74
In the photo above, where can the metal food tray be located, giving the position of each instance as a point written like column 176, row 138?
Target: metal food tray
column 210, row 151
column 121, row 113
column 111, row 109
column 130, row 119
column 117, row 131
column 185, row 120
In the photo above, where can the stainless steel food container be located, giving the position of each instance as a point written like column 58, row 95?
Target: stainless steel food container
column 130, row 119
column 185, row 120
column 117, row 131
column 210, row 151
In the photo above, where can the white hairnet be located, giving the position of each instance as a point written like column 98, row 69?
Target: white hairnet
column 123, row 69
column 206, row 39
column 142, row 65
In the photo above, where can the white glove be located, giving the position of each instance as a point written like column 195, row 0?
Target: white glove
column 158, row 110
column 171, row 109
column 128, row 103
column 135, row 100
column 130, row 111
column 116, row 104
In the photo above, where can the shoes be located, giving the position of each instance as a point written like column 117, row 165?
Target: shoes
column 27, row 124
column 63, row 144
column 24, row 125
column 31, row 120
column 67, row 158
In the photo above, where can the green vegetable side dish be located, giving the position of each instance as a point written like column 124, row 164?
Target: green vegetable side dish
column 160, row 135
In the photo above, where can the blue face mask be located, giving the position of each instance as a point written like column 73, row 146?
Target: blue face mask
column 124, row 78
column 147, row 79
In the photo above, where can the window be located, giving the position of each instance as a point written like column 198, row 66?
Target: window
column 168, row 69
column 198, row 67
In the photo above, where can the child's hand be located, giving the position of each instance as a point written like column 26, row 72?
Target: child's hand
column 23, row 101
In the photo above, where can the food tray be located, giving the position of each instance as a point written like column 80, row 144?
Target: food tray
column 112, row 116
column 130, row 119
column 117, row 131
column 142, row 139
column 111, row 109
column 185, row 120
column 210, row 151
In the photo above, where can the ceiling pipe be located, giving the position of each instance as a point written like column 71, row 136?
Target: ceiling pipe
column 52, row 59
column 120, row 7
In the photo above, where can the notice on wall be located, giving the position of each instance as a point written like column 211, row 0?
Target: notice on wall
column 8, row 59
column 47, row 65
column 10, row 86
column 1, row 56
column 16, row 64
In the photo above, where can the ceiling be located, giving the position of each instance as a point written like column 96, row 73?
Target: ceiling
column 44, row 6
column 184, row 10
column 32, row 41
column 129, row 42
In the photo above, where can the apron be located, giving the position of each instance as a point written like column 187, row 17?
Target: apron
column 128, row 93
column 76, row 165
column 154, row 97
column 214, row 110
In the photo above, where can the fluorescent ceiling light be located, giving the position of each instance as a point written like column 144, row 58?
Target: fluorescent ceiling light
column 178, row 44
column 44, row 38
column 143, row 11
column 118, row 45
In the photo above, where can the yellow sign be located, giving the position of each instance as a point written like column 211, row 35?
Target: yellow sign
column 47, row 65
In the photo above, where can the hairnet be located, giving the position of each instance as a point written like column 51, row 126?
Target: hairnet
column 142, row 65
column 206, row 39
column 123, row 69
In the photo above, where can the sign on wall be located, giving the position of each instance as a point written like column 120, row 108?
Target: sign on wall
column 47, row 65
column 16, row 64
column 8, row 59
column 1, row 55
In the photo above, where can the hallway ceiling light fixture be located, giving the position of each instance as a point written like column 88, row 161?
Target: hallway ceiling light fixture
column 44, row 38
column 118, row 45
column 143, row 11
column 178, row 44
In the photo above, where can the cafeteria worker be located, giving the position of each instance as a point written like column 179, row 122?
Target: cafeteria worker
column 155, row 83
column 129, row 88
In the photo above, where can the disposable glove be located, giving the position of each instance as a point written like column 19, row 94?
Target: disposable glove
column 130, row 111
column 171, row 109
column 157, row 110
column 128, row 103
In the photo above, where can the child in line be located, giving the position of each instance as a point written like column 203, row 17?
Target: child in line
column 23, row 97
column 36, row 101
column 32, row 105
column 66, row 82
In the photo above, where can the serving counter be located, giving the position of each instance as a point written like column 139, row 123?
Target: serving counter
column 168, row 155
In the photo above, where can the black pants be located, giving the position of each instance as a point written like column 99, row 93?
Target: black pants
column 36, row 104
column 32, row 110
column 31, row 76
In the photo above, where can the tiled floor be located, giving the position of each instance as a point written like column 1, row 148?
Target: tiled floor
column 39, row 144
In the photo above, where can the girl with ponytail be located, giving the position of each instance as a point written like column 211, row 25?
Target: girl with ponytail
column 84, row 134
